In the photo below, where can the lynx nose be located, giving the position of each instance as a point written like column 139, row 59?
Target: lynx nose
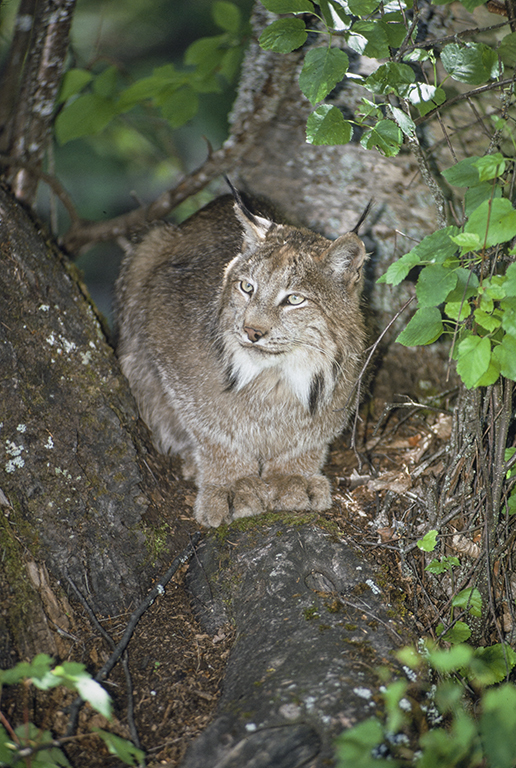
column 253, row 334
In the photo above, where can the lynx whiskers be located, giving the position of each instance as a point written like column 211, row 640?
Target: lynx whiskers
column 241, row 339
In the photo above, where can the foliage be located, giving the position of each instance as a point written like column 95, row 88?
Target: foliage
column 91, row 100
column 430, row 724
column 28, row 745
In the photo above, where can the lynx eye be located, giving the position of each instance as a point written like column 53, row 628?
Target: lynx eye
column 294, row 299
column 246, row 287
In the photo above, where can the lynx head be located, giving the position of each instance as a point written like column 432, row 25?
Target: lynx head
column 289, row 308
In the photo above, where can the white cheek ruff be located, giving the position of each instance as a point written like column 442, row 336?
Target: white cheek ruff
column 297, row 370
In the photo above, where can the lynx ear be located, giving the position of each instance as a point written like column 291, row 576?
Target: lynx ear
column 255, row 227
column 345, row 257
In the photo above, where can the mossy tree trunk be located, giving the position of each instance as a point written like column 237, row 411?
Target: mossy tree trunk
column 74, row 482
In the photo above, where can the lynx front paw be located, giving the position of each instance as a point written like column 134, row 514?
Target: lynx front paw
column 245, row 498
column 249, row 497
column 299, row 493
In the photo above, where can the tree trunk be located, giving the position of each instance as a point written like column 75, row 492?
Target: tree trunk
column 75, row 486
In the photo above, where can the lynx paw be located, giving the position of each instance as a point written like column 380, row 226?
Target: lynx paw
column 215, row 505
column 249, row 497
column 300, row 493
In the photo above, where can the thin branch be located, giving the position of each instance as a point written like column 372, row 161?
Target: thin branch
column 52, row 181
column 264, row 105
column 155, row 592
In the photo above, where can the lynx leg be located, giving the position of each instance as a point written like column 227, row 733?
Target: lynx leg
column 229, row 488
column 297, row 484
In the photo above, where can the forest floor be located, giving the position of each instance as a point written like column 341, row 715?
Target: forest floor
column 177, row 668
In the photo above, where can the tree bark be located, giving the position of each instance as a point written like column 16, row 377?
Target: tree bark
column 75, row 487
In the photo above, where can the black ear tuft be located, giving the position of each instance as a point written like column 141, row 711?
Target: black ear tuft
column 255, row 227
column 363, row 217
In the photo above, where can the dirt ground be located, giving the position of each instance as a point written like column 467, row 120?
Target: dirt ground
column 176, row 668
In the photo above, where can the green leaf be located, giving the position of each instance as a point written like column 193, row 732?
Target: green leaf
column 399, row 270
column 75, row 676
column 6, row 753
column 283, row 35
column 362, row 7
column 487, row 320
column 498, row 725
column 73, row 82
column 505, row 355
column 468, row 241
column 391, row 78
column 474, row 356
column 508, row 307
column 463, row 173
column 105, row 84
column 289, row 6
column 476, row 195
column 473, row 63
column 502, row 222
column 326, row 125
column 434, row 284
column 323, row 68
column 496, row 662
column 355, row 745
column 510, row 280
column 375, row 32
column 122, row 748
column 429, row 541
column 205, row 54
column 425, row 327
column 451, row 659
column 87, row 115
column 404, row 122
column 443, row 565
column 384, row 136
column 180, row 106
column 425, row 97
column 150, row 87
column 507, row 49
column 490, row 166
column 470, row 599
column 230, row 63
column 458, row 633
column 227, row 16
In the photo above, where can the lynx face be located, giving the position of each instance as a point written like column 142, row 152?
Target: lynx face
column 281, row 308
column 241, row 339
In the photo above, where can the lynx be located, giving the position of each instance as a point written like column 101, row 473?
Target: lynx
column 241, row 339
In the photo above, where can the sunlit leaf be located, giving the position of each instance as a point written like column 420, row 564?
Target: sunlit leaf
column 284, row 35
column 424, row 327
column 384, row 136
column 502, row 222
column 326, row 125
column 472, row 63
column 474, row 355
column 429, row 541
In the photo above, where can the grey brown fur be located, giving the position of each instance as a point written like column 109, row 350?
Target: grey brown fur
column 241, row 340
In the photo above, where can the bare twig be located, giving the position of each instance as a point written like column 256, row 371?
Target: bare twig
column 155, row 592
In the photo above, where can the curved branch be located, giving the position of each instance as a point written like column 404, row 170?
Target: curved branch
column 260, row 107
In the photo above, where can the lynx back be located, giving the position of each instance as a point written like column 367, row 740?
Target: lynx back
column 241, row 339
